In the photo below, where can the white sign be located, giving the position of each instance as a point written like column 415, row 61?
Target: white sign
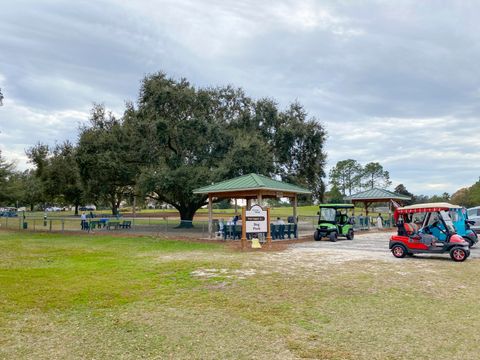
column 256, row 220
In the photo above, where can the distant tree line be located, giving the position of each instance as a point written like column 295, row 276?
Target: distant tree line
column 176, row 138
column 349, row 176
column 469, row 196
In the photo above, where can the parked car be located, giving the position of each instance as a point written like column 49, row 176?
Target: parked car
column 8, row 212
column 474, row 215
column 88, row 208
column 53, row 208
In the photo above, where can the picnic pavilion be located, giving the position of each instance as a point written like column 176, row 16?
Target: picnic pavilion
column 376, row 195
column 251, row 187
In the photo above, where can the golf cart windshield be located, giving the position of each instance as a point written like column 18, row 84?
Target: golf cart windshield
column 327, row 214
column 448, row 221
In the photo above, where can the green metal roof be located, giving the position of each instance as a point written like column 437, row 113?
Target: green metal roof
column 251, row 182
column 377, row 194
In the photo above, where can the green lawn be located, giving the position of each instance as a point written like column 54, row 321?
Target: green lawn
column 102, row 297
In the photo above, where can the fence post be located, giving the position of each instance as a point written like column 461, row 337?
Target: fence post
column 63, row 225
column 6, row 223
column 50, row 225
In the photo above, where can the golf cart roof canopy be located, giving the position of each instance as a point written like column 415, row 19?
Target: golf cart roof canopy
column 430, row 207
column 337, row 206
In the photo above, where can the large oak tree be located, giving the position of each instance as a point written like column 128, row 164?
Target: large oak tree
column 179, row 137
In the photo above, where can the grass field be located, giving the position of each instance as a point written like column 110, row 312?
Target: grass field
column 103, row 297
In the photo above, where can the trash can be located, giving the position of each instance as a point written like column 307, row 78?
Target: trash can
column 25, row 225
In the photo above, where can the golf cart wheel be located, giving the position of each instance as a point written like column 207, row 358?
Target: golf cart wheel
column 399, row 251
column 458, row 254
column 316, row 235
column 333, row 236
column 350, row 234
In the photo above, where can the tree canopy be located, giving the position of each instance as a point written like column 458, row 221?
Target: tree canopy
column 7, row 194
column 179, row 137
column 195, row 136
column 468, row 197
column 106, row 159
column 374, row 176
column 347, row 176
column 58, row 172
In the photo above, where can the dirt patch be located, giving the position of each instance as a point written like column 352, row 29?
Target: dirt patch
column 308, row 255
column 224, row 273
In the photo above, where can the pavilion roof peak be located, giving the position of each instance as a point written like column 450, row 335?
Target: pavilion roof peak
column 376, row 193
column 251, row 182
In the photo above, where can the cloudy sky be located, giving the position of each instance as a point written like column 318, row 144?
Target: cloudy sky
column 393, row 82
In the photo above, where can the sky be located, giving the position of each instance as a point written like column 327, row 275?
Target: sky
column 395, row 82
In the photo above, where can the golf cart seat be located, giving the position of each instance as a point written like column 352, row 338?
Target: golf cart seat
column 407, row 229
column 343, row 219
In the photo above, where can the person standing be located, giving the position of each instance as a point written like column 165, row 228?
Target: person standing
column 360, row 220
column 379, row 221
column 83, row 222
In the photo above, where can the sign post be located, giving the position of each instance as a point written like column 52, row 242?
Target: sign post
column 255, row 221
column 244, row 233
column 269, row 235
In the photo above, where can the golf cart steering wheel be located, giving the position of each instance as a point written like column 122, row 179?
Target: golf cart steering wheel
column 435, row 225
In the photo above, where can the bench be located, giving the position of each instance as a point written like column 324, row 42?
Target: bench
column 114, row 224
column 95, row 224
column 232, row 232
column 283, row 230
column 126, row 224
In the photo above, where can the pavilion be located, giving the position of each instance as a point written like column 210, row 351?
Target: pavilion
column 251, row 187
column 376, row 195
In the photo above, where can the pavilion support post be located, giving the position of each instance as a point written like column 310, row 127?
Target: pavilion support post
column 209, row 216
column 249, row 204
column 367, row 204
column 390, row 220
column 259, row 199
column 243, row 240
column 295, row 214
column 269, row 235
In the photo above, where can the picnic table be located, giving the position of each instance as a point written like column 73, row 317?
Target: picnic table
column 276, row 231
column 114, row 224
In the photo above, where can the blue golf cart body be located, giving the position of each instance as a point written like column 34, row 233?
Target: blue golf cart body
column 460, row 221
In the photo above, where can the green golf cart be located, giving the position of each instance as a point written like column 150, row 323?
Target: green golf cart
column 333, row 221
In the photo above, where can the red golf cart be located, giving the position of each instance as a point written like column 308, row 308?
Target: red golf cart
column 427, row 229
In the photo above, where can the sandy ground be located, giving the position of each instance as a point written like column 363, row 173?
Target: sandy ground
column 323, row 254
column 310, row 256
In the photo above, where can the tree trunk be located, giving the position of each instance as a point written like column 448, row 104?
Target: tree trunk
column 186, row 216
column 76, row 209
column 114, row 208
column 115, row 201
